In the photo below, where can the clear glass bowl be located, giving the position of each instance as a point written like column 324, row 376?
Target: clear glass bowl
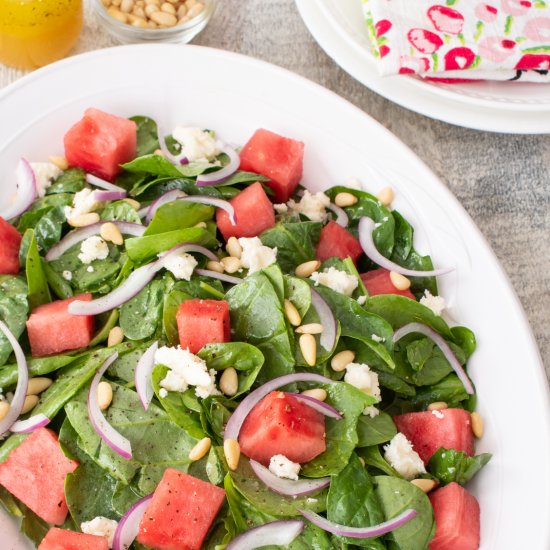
column 128, row 34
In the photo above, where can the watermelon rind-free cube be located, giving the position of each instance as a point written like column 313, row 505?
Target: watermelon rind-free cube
column 335, row 241
column 62, row 539
column 10, row 240
column 378, row 281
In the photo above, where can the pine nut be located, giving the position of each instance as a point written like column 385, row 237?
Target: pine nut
column 311, row 328
column 231, row 264
column 232, row 452
column 215, row 266
column 117, row 14
column 139, row 22
column 292, row 314
column 116, row 2
column 115, row 337
column 4, row 409
column 399, row 281
column 183, row 20
column 362, row 461
column 162, row 18
column 168, row 8
column 104, row 395
column 126, row 6
column 60, row 162
column 195, row 10
column 229, row 382
column 38, row 385
column 307, row 268
column 425, row 485
column 317, row 393
column 30, row 403
column 84, row 220
column 190, row 3
column 139, row 12
column 202, row 225
column 308, row 347
column 437, row 406
column 133, row 203
column 200, row 449
column 182, row 11
column 477, row 424
column 234, row 248
column 386, row 196
column 341, row 360
column 111, row 233
column 149, row 10
column 345, row 199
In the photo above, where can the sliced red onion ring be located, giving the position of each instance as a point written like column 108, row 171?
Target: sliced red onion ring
column 109, row 195
column 341, row 216
column 102, row 184
column 163, row 199
column 227, row 171
column 220, row 276
column 359, row 532
column 18, row 400
column 128, row 526
column 101, row 426
column 275, row 533
column 288, row 487
column 319, row 406
column 30, row 424
column 26, row 191
column 366, row 227
column 236, row 420
column 142, row 377
column 177, row 160
column 78, row 235
column 442, row 345
column 327, row 319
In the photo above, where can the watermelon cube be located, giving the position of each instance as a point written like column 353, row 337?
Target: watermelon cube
column 180, row 513
column 253, row 211
column 52, row 329
column 276, row 157
column 10, row 240
column 202, row 322
column 335, row 241
column 100, row 142
column 428, row 431
column 62, row 539
column 280, row 424
column 35, row 473
column 457, row 519
column 378, row 281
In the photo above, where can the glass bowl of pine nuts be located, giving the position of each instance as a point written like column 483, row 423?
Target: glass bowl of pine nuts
column 131, row 21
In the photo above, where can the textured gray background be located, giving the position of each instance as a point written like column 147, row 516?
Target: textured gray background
column 503, row 181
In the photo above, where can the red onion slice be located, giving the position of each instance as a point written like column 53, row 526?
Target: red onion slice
column 109, row 195
column 213, row 178
column 341, row 216
column 142, row 376
column 128, row 526
column 102, row 184
column 163, row 199
column 275, row 533
column 78, row 235
column 366, row 227
column 327, row 319
column 176, row 160
column 30, row 424
column 18, row 400
column 236, row 420
column 101, row 426
column 319, row 406
column 288, row 487
column 26, row 191
column 220, row 276
column 442, row 345
column 359, row 532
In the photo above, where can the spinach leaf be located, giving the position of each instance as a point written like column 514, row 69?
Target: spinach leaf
column 38, row 291
column 242, row 177
column 466, row 339
column 10, row 503
column 121, row 211
column 71, row 180
column 124, row 366
column 147, row 140
column 450, row 389
column 32, row 526
column 172, row 302
column 178, row 214
column 299, row 293
column 373, row 431
column 59, row 286
column 13, row 310
column 449, row 465
column 47, row 223
column 214, row 413
column 124, row 497
column 374, row 460
column 153, row 164
column 108, row 321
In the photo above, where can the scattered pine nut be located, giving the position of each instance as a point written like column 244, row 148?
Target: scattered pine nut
column 229, row 382
column 438, row 406
column 30, row 403
column 133, row 203
column 292, row 313
column 425, row 485
column 317, row 393
column 115, row 13
column 385, row 196
column 60, row 162
column 345, row 199
column 104, row 395
column 111, row 233
column 215, row 266
column 163, row 18
column 116, row 335
column 200, row 449
column 399, row 281
column 4, row 409
column 307, row 268
column 231, row 264
column 311, row 328
column 232, row 452
column 362, row 461
column 341, row 360
column 308, row 347
column 233, row 247
column 477, row 424
column 83, row 220
column 37, row 385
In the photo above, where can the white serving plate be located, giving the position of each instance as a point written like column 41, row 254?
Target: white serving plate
column 235, row 95
column 515, row 108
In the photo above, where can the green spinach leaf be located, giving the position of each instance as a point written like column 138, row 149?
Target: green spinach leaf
column 147, row 140
column 376, row 430
column 178, row 214
column 13, row 310
column 449, row 465
column 71, row 180
column 38, row 291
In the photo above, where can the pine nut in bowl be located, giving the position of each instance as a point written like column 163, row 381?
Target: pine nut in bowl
column 134, row 21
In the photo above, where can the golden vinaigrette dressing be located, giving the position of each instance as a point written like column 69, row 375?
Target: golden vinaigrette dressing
column 34, row 33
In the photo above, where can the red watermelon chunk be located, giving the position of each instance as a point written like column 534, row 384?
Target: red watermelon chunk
column 202, row 322
column 280, row 424
column 253, row 211
column 276, row 157
column 180, row 513
column 457, row 519
column 35, row 473
column 52, row 329
column 100, row 142
column 62, row 539
column 10, row 239
column 335, row 241
column 428, row 431
column 378, row 281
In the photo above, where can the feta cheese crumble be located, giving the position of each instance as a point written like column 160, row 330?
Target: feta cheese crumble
column 83, row 203
column 438, row 414
column 282, row 467
column 186, row 369
column 360, row 376
column 281, row 208
column 377, row 338
column 93, row 248
column 101, row 527
column 44, row 174
column 435, row 303
column 255, row 255
column 313, row 206
column 163, row 392
column 337, row 280
column 90, row 269
column 181, row 265
column 361, row 300
column 67, row 275
column 196, row 144
column 402, row 457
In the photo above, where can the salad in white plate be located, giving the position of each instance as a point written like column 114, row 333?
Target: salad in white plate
column 199, row 353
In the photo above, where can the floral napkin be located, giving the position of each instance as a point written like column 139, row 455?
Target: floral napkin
column 461, row 39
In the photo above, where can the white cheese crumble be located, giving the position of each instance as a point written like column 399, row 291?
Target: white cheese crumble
column 438, row 414
column 435, row 303
column 90, row 269
column 83, row 203
column 163, row 392
column 377, row 338
column 100, row 526
column 186, row 369
column 255, row 255
column 281, row 208
column 282, row 467
column 93, row 248
column 361, row 300
column 313, row 206
column 196, row 144
column 44, row 174
column 67, row 275
column 339, row 281
column 181, row 265
column 402, row 457
column 360, row 376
